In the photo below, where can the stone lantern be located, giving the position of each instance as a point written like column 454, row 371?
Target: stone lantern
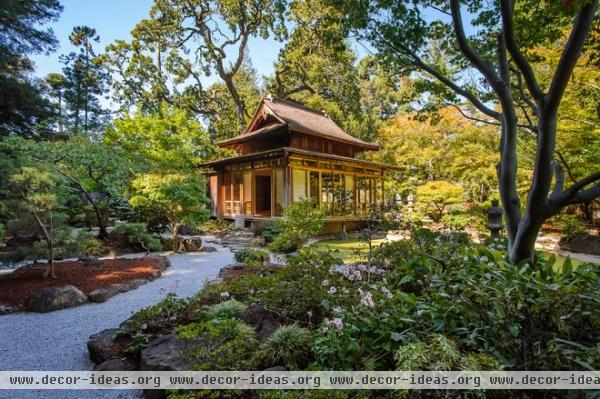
column 494, row 214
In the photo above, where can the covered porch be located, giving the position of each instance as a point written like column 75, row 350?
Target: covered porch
column 259, row 186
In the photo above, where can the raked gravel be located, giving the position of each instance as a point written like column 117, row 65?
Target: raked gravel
column 57, row 340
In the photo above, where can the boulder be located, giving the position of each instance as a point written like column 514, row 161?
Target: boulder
column 117, row 364
column 208, row 248
column 137, row 283
column 168, row 353
column 259, row 242
column 584, row 244
column 228, row 270
column 55, row 298
column 263, row 321
column 101, row 346
column 104, row 294
column 90, row 261
column 193, row 244
column 163, row 262
column 6, row 309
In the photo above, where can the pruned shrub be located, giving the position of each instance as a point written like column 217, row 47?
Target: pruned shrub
column 135, row 236
column 252, row 256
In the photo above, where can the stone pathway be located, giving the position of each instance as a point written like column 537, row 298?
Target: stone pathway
column 57, row 340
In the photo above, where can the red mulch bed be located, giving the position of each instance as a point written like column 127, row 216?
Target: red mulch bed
column 17, row 286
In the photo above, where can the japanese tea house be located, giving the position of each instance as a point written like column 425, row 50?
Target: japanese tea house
column 288, row 152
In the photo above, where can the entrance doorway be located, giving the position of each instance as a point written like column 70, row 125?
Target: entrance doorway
column 262, row 193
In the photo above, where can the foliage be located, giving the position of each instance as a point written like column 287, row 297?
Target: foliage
column 270, row 233
column 137, row 236
column 301, row 221
column 155, row 318
column 298, row 288
column 289, row 346
column 180, row 198
column 438, row 195
column 38, row 195
column 84, row 81
column 378, row 220
column 216, row 226
column 251, row 256
column 441, row 146
column 500, row 66
column 2, row 232
column 230, row 309
column 456, row 218
column 225, row 344
column 179, row 44
column 168, row 140
column 22, row 107
column 571, row 226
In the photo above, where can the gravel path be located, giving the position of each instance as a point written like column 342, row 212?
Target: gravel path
column 57, row 340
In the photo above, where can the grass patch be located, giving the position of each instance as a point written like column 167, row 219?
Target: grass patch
column 352, row 250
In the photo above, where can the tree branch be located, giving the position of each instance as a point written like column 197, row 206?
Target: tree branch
column 418, row 62
column 570, row 55
column 506, row 9
column 463, row 43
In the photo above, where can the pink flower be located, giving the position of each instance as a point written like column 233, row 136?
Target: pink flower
column 337, row 323
column 224, row 294
column 337, row 309
column 386, row 292
column 332, row 290
column 366, row 298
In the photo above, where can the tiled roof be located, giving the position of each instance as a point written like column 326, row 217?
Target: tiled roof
column 309, row 121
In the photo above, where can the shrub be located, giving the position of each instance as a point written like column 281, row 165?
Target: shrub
column 571, row 226
column 270, row 233
column 302, row 220
column 137, row 237
column 157, row 317
column 298, row 288
column 224, row 344
column 215, row 226
column 438, row 352
column 252, row 256
column 456, row 221
column 289, row 345
column 231, row 309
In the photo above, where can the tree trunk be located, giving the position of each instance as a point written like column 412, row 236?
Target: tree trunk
column 103, row 233
column 51, row 258
column 175, row 243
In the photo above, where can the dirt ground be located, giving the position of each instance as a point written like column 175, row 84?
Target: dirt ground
column 17, row 286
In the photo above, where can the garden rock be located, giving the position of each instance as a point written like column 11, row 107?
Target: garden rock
column 263, row 321
column 193, row 244
column 101, row 346
column 227, row 271
column 5, row 309
column 163, row 262
column 168, row 353
column 122, row 364
column 104, row 294
column 208, row 248
column 584, row 244
column 55, row 298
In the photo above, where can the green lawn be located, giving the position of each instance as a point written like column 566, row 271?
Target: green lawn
column 349, row 250
column 354, row 250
